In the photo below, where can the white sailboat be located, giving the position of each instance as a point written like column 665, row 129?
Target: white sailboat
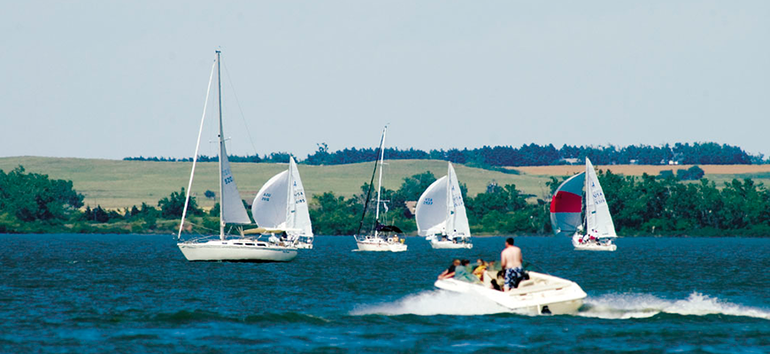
column 225, row 247
column 441, row 215
column 382, row 238
column 281, row 205
column 598, row 230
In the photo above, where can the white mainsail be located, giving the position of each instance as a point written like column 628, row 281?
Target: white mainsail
column 432, row 209
column 233, row 211
column 441, row 210
column 598, row 218
column 457, row 223
column 281, row 204
column 298, row 213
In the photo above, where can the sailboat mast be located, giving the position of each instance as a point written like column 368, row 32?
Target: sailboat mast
column 585, row 199
column 221, row 151
column 449, row 223
column 290, row 206
column 379, row 182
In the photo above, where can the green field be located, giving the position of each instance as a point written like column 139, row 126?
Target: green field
column 120, row 184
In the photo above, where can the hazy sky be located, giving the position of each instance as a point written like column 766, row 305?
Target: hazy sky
column 107, row 79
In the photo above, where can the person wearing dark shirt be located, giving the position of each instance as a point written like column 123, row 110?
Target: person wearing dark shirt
column 449, row 272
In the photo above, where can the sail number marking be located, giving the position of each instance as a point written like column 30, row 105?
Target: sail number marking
column 299, row 196
column 598, row 198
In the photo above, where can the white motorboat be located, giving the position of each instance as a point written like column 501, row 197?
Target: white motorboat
column 224, row 247
column 441, row 216
column 541, row 294
column 567, row 205
column 281, row 205
column 382, row 238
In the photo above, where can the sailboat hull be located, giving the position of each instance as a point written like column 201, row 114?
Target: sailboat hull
column 378, row 244
column 236, row 251
column 592, row 246
column 541, row 294
column 304, row 246
column 446, row 244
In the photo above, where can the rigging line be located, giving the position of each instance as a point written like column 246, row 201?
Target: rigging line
column 526, row 264
column 195, row 157
column 369, row 191
column 243, row 117
column 200, row 226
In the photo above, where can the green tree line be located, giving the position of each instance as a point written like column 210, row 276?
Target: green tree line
column 492, row 157
column 665, row 206
column 646, row 205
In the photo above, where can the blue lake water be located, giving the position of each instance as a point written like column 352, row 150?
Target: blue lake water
column 136, row 293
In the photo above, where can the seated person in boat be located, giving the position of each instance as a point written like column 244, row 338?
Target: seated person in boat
column 463, row 273
column 511, row 259
column 498, row 281
column 481, row 266
column 449, row 272
column 492, row 265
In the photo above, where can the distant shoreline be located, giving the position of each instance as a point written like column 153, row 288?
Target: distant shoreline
column 118, row 184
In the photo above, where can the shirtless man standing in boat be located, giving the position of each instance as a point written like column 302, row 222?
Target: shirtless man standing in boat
column 511, row 261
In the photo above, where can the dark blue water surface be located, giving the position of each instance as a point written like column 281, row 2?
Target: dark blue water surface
column 134, row 293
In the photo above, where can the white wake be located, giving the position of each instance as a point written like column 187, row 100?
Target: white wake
column 435, row 302
column 609, row 306
column 623, row 306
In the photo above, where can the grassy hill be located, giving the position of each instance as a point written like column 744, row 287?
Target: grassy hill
column 120, row 184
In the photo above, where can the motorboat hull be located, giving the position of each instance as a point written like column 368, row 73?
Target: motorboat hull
column 236, row 251
column 378, row 244
column 593, row 245
column 541, row 294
